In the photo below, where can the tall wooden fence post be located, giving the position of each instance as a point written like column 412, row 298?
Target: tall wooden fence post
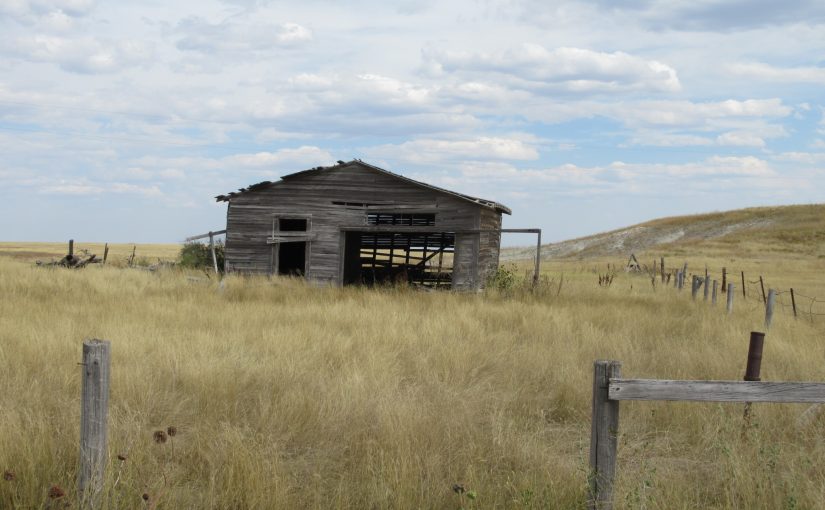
column 713, row 298
column 730, row 298
column 662, row 264
column 537, row 270
column 105, row 253
column 724, row 279
column 762, row 286
column 603, row 436
column 707, row 287
column 793, row 303
column 753, row 369
column 694, row 287
column 212, row 249
column 94, row 414
column 71, row 248
column 769, row 306
column 743, row 285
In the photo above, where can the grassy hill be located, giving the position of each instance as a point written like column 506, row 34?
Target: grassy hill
column 797, row 230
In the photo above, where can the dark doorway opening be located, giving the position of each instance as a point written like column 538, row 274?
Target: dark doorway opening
column 292, row 258
column 393, row 257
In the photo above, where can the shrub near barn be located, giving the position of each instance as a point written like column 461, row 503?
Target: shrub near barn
column 198, row 256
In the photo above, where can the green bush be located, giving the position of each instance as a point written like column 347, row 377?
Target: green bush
column 198, row 256
column 504, row 279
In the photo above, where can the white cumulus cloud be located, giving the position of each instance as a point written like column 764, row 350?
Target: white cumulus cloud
column 569, row 69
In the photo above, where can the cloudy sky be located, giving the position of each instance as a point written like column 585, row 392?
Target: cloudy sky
column 120, row 121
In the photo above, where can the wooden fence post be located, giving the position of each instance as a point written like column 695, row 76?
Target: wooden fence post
column 71, row 248
column 94, row 414
column 743, row 285
column 762, row 286
column 694, row 287
column 662, row 264
column 604, row 430
column 724, row 279
column 212, row 249
column 537, row 270
column 793, row 303
column 707, row 286
column 105, row 253
column 715, row 285
column 769, row 305
column 752, row 370
column 730, row 298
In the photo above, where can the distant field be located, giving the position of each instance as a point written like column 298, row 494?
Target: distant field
column 118, row 253
column 291, row 396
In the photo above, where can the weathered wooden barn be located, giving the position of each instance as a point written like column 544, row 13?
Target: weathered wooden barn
column 355, row 223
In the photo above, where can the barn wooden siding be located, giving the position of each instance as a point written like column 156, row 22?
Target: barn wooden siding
column 338, row 198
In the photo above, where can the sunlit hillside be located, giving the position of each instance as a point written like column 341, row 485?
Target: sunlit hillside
column 796, row 231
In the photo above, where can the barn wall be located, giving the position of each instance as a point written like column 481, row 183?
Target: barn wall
column 250, row 218
column 465, row 264
column 489, row 244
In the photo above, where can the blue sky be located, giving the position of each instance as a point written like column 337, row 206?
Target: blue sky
column 120, row 121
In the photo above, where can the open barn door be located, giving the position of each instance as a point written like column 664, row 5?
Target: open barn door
column 372, row 258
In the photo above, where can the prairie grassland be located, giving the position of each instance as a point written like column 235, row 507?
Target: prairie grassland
column 290, row 396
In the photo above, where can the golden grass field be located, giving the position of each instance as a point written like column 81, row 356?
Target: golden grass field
column 290, row 396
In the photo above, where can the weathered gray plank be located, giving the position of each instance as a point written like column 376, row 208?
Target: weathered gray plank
column 203, row 236
column 716, row 391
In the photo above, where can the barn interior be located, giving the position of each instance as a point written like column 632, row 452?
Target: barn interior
column 389, row 250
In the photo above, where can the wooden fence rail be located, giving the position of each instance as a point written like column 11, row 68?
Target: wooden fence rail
column 716, row 391
column 609, row 388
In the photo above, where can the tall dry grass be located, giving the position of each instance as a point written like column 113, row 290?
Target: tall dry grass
column 290, row 396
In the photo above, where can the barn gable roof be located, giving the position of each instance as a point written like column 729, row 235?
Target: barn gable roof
column 501, row 208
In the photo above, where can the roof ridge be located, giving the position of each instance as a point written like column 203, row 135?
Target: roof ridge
column 476, row 200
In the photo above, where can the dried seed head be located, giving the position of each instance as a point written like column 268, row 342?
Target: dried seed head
column 121, row 457
column 159, row 436
column 171, row 430
column 55, row 492
column 145, row 496
column 9, row 476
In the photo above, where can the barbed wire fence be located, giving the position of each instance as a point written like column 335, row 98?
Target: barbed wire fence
column 752, row 293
